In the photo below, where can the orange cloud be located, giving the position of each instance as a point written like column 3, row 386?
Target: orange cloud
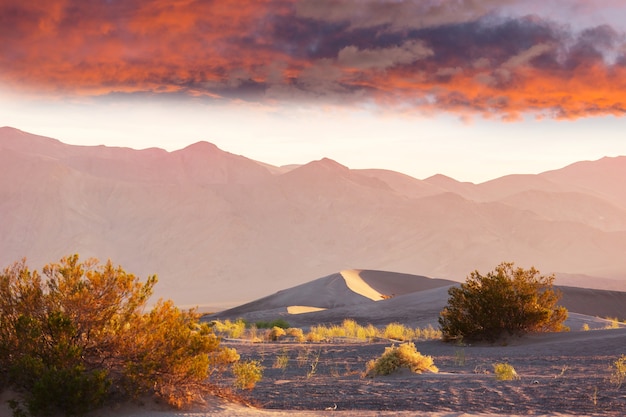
column 455, row 60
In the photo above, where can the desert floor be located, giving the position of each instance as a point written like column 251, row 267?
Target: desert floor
column 559, row 373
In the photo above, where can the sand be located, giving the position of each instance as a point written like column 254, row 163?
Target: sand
column 564, row 374
column 359, row 286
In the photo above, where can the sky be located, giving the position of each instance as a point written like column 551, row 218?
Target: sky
column 473, row 89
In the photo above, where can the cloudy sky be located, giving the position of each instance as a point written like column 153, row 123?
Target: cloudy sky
column 473, row 89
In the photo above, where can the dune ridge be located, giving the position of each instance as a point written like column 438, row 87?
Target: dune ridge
column 358, row 285
column 416, row 301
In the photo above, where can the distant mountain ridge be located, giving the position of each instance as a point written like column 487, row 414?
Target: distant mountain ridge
column 223, row 229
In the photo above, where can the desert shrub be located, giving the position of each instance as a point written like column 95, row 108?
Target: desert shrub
column 74, row 336
column 585, row 327
column 618, row 371
column 504, row 372
column 296, row 333
column 613, row 323
column 276, row 333
column 282, row 323
column 397, row 331
column 429, row 333
column 402, row 356
column 281, row 361
column 509, row 300
column 314, row 336
column 231, row 329
column 367, row 332
column 247, row 374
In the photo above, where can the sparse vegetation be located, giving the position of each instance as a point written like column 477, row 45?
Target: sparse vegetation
column 504, row 372
column 74, row 336
column 509, row 300
column 402, row 356
column 281, row 361
column 613, row 323
column 618, row 371
column 349, row 329
column 247, row 374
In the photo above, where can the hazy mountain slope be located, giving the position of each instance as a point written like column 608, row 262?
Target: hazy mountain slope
column 603, row 178
column 573, row 207
column 222, row 229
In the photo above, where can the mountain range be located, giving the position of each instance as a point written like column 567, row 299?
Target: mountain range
column 221, row 229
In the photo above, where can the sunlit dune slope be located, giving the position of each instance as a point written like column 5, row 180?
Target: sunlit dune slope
column 418, row 302
column 346, row 290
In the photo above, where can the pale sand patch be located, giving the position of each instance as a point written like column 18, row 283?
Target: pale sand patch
column 358, row 285
column 303, row 309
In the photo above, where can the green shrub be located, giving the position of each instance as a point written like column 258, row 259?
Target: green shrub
column 402, row 356
column 282, row 323
column 508, row 300
column 72, row 390
column 247, row 374
column 504, row 372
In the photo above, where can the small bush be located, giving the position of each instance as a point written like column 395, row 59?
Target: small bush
column 397, row 331
column 504, row 372
column 618, row 375
column 403, row 356
column 296, row 333
column 247, row 374
column 281, row 361
column 231, row 329
column 276, row 333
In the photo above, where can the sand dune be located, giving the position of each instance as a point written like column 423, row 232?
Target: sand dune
column 303, row 309
column 359, row 286
column 416, row 302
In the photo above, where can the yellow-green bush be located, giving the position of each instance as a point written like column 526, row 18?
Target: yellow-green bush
column 276, row 333
column 504, row 372
column 296, row 333
column 618, row 371
column 231, row 329
column 247, row 374
column 402, row 356
column 397, row 331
